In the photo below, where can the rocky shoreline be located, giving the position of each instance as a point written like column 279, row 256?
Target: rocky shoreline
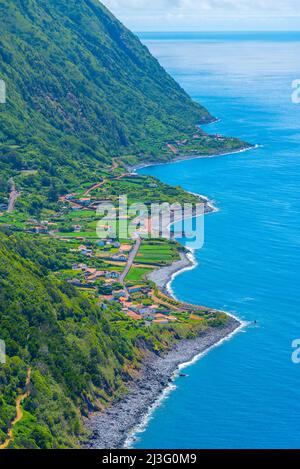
column 115, row 427
column 163, row 276
column 179, row 158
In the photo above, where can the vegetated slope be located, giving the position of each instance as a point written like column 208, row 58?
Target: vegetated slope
column 81, row 87
column 77, row 360
column 80, row 359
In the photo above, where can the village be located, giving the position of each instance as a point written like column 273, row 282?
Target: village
column 114, row 271
column 137, row 301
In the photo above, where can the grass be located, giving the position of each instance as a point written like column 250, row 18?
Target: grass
column 80, row 214
column 136, row 274
column 113, row 268
column 81, row 234
column 158, row 253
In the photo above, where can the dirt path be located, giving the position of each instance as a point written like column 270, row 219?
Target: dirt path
column 115, row 164
column 19, row 412
column 100, row 184
column 95, row 186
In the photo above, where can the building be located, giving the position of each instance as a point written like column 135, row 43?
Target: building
column 108, row 298
column 89, row 270
column 134, row 316
column 135, row 289
column 125, row 248
column 111, row 274
column 161, row 318
column 119, row 258
column 119, row 293
column 149, row 310
column 75, row 282
column 85, row 251
column 41, row 229
column 161, row 321
column 84, row 201
column 172, row 318
column 94, row 276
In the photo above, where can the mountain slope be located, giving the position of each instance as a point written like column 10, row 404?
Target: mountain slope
column 80, row 89
column 77, row 359
column 81, row 356
column 81, row 86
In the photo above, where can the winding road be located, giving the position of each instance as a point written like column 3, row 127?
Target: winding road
column 95, row 186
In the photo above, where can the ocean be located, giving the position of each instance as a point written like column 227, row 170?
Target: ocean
column 246, row 392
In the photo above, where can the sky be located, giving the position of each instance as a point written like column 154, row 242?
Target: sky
column 207, row 15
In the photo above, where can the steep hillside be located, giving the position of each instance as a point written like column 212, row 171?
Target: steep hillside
column 76, row 359
column 81, row 356
column 81, row 87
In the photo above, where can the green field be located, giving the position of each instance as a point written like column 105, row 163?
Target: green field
column 158, row 253
column 136, row 274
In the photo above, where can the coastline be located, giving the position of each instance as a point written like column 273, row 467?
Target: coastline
column 178, row 159
column 116, row 426
column 164, row 276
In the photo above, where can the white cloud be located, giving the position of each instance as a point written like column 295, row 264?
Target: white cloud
column 202, row 6
column 186, row 14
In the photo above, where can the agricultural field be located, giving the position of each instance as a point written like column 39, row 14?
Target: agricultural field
column 136, row 275
column 157, row 253
column 144, row 190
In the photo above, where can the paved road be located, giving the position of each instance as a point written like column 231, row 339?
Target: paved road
column 131, row 259
column 14, row 194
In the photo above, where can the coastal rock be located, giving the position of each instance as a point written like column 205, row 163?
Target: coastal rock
column 111, row 429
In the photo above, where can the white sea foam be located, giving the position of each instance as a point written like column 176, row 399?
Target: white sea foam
column 193, row 264
column 142, row 427
column 196, row 358
column 195, row 157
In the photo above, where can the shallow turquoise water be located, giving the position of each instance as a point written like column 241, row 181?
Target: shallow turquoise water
column 245, row 393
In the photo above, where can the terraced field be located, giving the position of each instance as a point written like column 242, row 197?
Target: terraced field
column 157, row 253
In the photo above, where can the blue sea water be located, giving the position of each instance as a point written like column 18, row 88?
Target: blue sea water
column 245, row 393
